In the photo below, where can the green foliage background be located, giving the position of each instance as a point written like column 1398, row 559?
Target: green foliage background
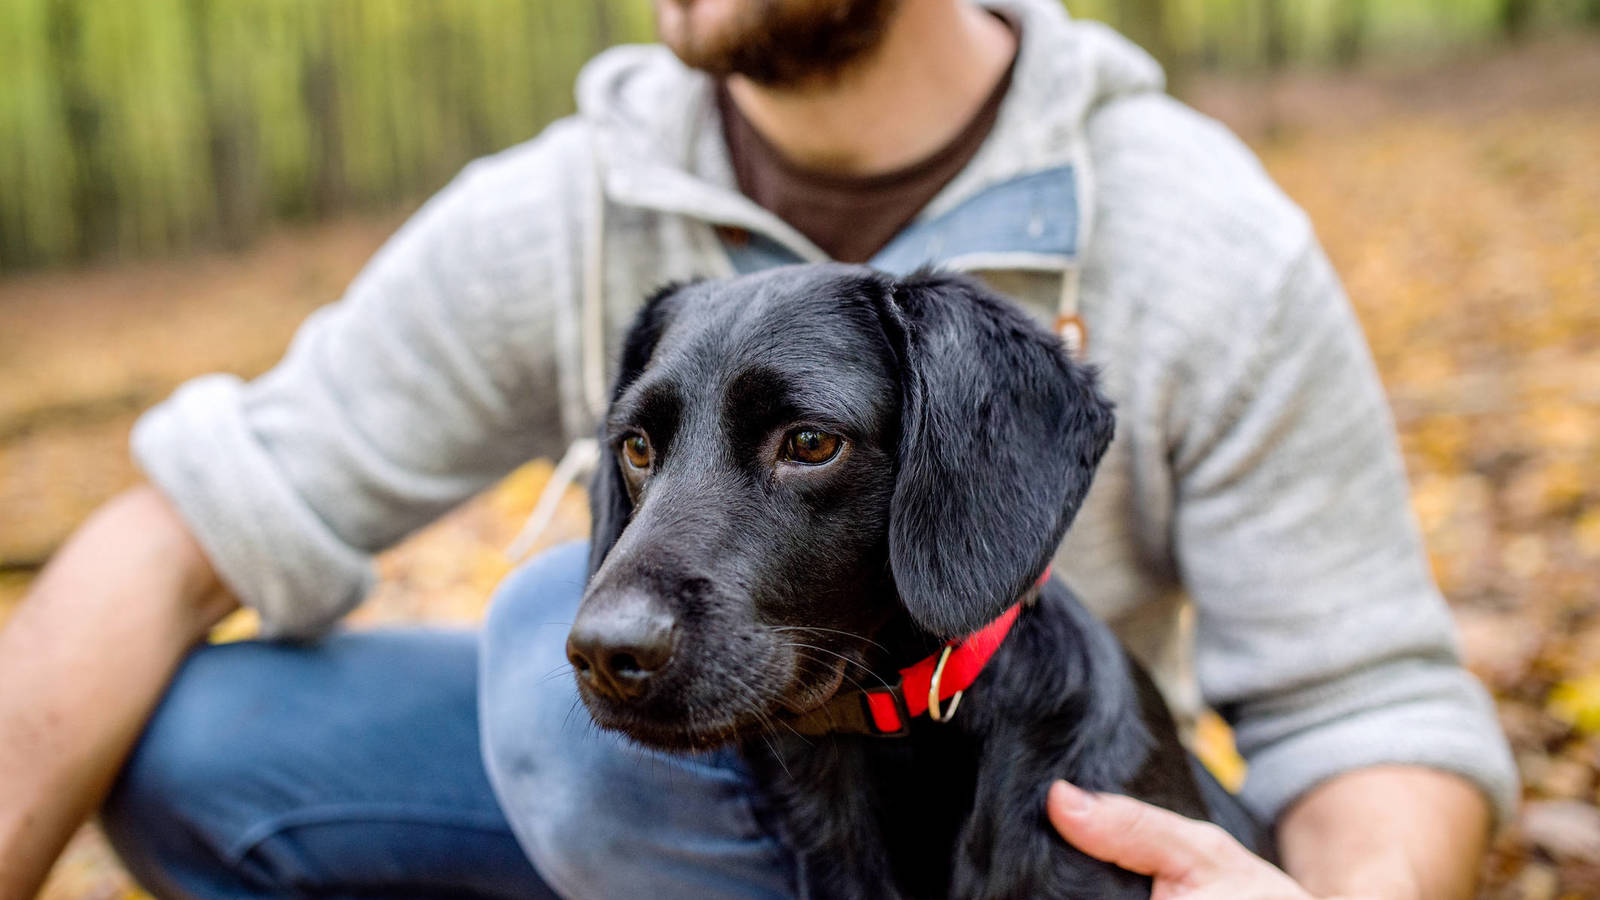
column 138, row 128
column 131, row 128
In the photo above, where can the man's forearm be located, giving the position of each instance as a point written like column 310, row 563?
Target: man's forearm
column 1388, row 833
column 83, row 662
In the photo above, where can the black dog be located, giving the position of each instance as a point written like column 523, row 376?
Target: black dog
column 817, row 476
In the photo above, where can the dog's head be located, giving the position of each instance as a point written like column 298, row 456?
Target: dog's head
column 797, row 459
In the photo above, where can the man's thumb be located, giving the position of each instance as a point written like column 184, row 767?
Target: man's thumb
column 1123, row 831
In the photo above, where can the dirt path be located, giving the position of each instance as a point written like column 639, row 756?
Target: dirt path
column 1462, row 206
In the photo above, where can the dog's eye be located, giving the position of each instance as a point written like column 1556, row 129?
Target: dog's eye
column 636, row 450
column 810, row 446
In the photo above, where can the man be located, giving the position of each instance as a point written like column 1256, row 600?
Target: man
column 1254, row 470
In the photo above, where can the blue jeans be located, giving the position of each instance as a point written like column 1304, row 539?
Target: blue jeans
column 427, row 764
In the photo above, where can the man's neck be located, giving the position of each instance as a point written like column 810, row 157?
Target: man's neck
column 938, row 62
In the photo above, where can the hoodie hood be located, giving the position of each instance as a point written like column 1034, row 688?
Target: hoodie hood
column 658, row 139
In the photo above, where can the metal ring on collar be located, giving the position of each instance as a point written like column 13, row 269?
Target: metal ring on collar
column 934, row 712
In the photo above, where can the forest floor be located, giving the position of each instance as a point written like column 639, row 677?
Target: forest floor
column 1460, row 202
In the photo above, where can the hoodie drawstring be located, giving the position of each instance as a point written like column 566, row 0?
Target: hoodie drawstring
column 582, row 454
column 1069, row 325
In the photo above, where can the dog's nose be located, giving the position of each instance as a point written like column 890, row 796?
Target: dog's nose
column 617, row 644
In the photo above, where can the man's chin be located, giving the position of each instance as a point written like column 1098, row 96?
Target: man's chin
column 700, row 32
column 777, row 43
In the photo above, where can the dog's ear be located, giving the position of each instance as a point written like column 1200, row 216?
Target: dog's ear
column 610, row 507
column 1000, row 435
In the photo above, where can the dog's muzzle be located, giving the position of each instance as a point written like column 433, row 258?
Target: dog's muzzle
column 619, row 642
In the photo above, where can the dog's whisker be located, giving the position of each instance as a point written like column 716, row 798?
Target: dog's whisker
column 803, row 739
column 833, row 653
column 853, row 682
column 764, row 721
column 564, row 669
column 802, row 658
column 817, row 628
column 776, row 755
column 768, row 724
column 568, row 717
column 750, row 693
column 847, row 659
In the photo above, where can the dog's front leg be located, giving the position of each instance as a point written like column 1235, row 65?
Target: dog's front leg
column 1008, row 849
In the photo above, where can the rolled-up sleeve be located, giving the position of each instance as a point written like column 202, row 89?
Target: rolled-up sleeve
column 434, row 375
column 1321, row 635
column 266, row 542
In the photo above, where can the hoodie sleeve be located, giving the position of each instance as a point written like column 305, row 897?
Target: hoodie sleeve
column 434, row 375
column 1320, row 633
column 1267, row 478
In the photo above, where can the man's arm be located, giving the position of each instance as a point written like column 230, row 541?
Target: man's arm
column 1267, row 473
column 1387, row 832
column 438, row 372
column 83, row 662
column 1272, row 475
column 1320, row 634
column 1390, row 833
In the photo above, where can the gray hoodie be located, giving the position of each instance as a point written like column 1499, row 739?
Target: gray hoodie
column 1248, row 532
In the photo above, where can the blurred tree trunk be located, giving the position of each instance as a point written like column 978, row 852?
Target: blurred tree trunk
column 1514, row 17
column 1145, row 21
column 604, row 33
column 1274, row 35
column 1274, row 55
column 94, row 201
column 319, row 86
column 231, row 141
column 1350, row 32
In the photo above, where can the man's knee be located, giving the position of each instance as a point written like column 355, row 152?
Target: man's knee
column 533, row 608
column 552, row 770
column 166, row 814
column 349, row 766
column 529, row 712
column 524, row 677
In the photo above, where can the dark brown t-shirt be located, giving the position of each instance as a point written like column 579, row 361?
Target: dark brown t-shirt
column 849, row 217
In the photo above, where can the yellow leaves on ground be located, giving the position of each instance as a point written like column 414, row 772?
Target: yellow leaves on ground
column 241, row 625
column 447, row 572
column 12, row 586
column 1587, row 533
column 1213, row 743
column 1577, row 702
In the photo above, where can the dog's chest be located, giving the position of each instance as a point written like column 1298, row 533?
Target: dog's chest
column 864, row 810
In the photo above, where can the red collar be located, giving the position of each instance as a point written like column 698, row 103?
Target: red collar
column 933, row 685
column 956, row 667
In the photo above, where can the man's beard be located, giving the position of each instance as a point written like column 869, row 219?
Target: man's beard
column 784, row 43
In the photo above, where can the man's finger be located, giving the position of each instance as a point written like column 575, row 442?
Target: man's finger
column 1136, row 836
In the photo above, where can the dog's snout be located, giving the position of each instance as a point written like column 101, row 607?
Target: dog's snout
column 616, row 645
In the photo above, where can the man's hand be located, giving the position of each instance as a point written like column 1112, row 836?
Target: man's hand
column 1188, row 860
